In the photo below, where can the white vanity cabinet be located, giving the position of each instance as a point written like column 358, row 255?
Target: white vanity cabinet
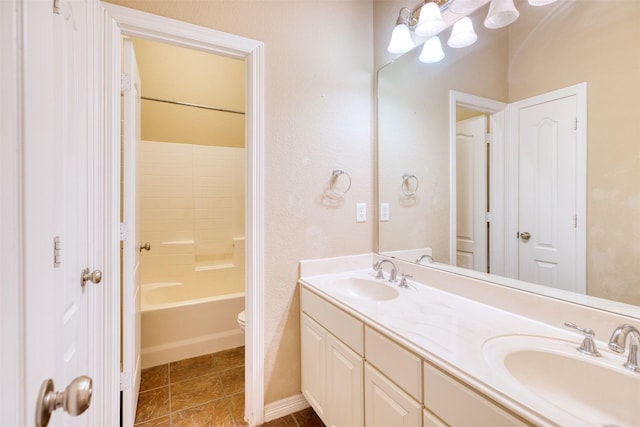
column 458, row 405
column 355, row 376
column 393, row 383
column 332, row 368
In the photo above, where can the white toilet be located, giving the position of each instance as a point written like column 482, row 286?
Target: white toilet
column 242, row 320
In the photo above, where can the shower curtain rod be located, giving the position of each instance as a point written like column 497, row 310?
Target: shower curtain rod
column 188, row 104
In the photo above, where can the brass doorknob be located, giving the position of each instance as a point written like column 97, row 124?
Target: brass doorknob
column 525, row 236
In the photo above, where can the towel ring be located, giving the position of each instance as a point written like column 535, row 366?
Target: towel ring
column 335, row 177
column 406, row 188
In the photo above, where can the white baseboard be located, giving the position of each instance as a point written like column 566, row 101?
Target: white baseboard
column 285, row 407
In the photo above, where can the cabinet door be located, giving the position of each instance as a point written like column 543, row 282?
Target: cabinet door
column 386, row 404
column 313, row 355
column 344, row 385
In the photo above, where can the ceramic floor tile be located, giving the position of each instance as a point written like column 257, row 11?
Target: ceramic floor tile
column 152, row 404
column 236, row 405
column 208, row 415
column 287, row 421
column 154, row 377
column 228, row 359
column 194, row 392
column 191, row 368
column 308, row 418
column 232, row 380
column 158, row 422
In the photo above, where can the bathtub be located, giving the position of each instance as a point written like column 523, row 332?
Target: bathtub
column 183, row 320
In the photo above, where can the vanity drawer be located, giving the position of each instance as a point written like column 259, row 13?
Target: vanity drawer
column 343, row 326
column 445, row 396
column 397, row 363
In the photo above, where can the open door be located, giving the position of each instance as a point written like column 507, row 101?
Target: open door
column 130, row 376
column 471, row 194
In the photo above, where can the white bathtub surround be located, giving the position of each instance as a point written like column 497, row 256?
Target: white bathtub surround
column 192, row 209
column 446, row 319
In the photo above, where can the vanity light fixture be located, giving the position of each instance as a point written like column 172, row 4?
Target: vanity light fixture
column 462, row 34
column 426, row 22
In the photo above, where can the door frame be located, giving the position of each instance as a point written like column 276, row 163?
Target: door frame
column 496, row 111
column 512, row 179
column 117, row 21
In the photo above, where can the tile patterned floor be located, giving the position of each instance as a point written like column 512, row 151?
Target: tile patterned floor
column 203, row 391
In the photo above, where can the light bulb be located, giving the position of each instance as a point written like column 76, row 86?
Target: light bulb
column 431, row 51
column 462, row 34
column 430, row 22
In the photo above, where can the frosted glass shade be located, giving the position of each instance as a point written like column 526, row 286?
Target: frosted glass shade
column 462, row 34
column 501, row 13
column 431, row 51
column 401, row 41
column 541, row 2
column 464, row 6
column 430, row 22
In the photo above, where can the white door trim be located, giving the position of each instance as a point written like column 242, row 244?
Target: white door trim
column 512, row 173
column 118, row 21
column 12, row 352
column 496, row 171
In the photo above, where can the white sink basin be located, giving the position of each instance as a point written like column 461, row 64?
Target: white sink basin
column 597, row 390
column 362, row 288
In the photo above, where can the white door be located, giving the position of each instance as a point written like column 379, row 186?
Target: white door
column 56, row 187
column 471, row 194
column 130, row 382
column 547, row 193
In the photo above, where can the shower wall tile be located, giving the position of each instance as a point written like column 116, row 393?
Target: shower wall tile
column 192, row 194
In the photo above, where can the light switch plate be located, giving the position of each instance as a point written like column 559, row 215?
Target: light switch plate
column 384, row 211
column 361, row 212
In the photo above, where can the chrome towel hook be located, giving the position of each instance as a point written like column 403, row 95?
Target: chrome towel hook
column 335, row 187
column 407, row 188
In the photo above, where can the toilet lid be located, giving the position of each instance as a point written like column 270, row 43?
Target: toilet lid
column 242, row 318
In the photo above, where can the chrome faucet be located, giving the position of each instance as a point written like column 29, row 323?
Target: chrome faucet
column 421, row 257
column 618, row 341
column 392, row 274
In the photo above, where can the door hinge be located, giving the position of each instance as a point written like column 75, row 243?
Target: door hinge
column 575, row 221
column 488, row 138
column 56, row 7
column 125, row 82
column 125, row 381
column 124, row 231
column 487, row 216
column 575, row 123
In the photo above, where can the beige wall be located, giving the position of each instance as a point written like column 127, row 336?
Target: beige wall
column 173, row 73
column 318, row 104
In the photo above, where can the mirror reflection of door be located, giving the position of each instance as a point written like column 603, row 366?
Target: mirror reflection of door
column 547, row 219
column 472, row 242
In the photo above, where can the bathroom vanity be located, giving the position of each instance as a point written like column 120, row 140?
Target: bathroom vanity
column 441, row 350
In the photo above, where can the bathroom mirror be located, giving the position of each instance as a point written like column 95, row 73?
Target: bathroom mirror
column 567, row 43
